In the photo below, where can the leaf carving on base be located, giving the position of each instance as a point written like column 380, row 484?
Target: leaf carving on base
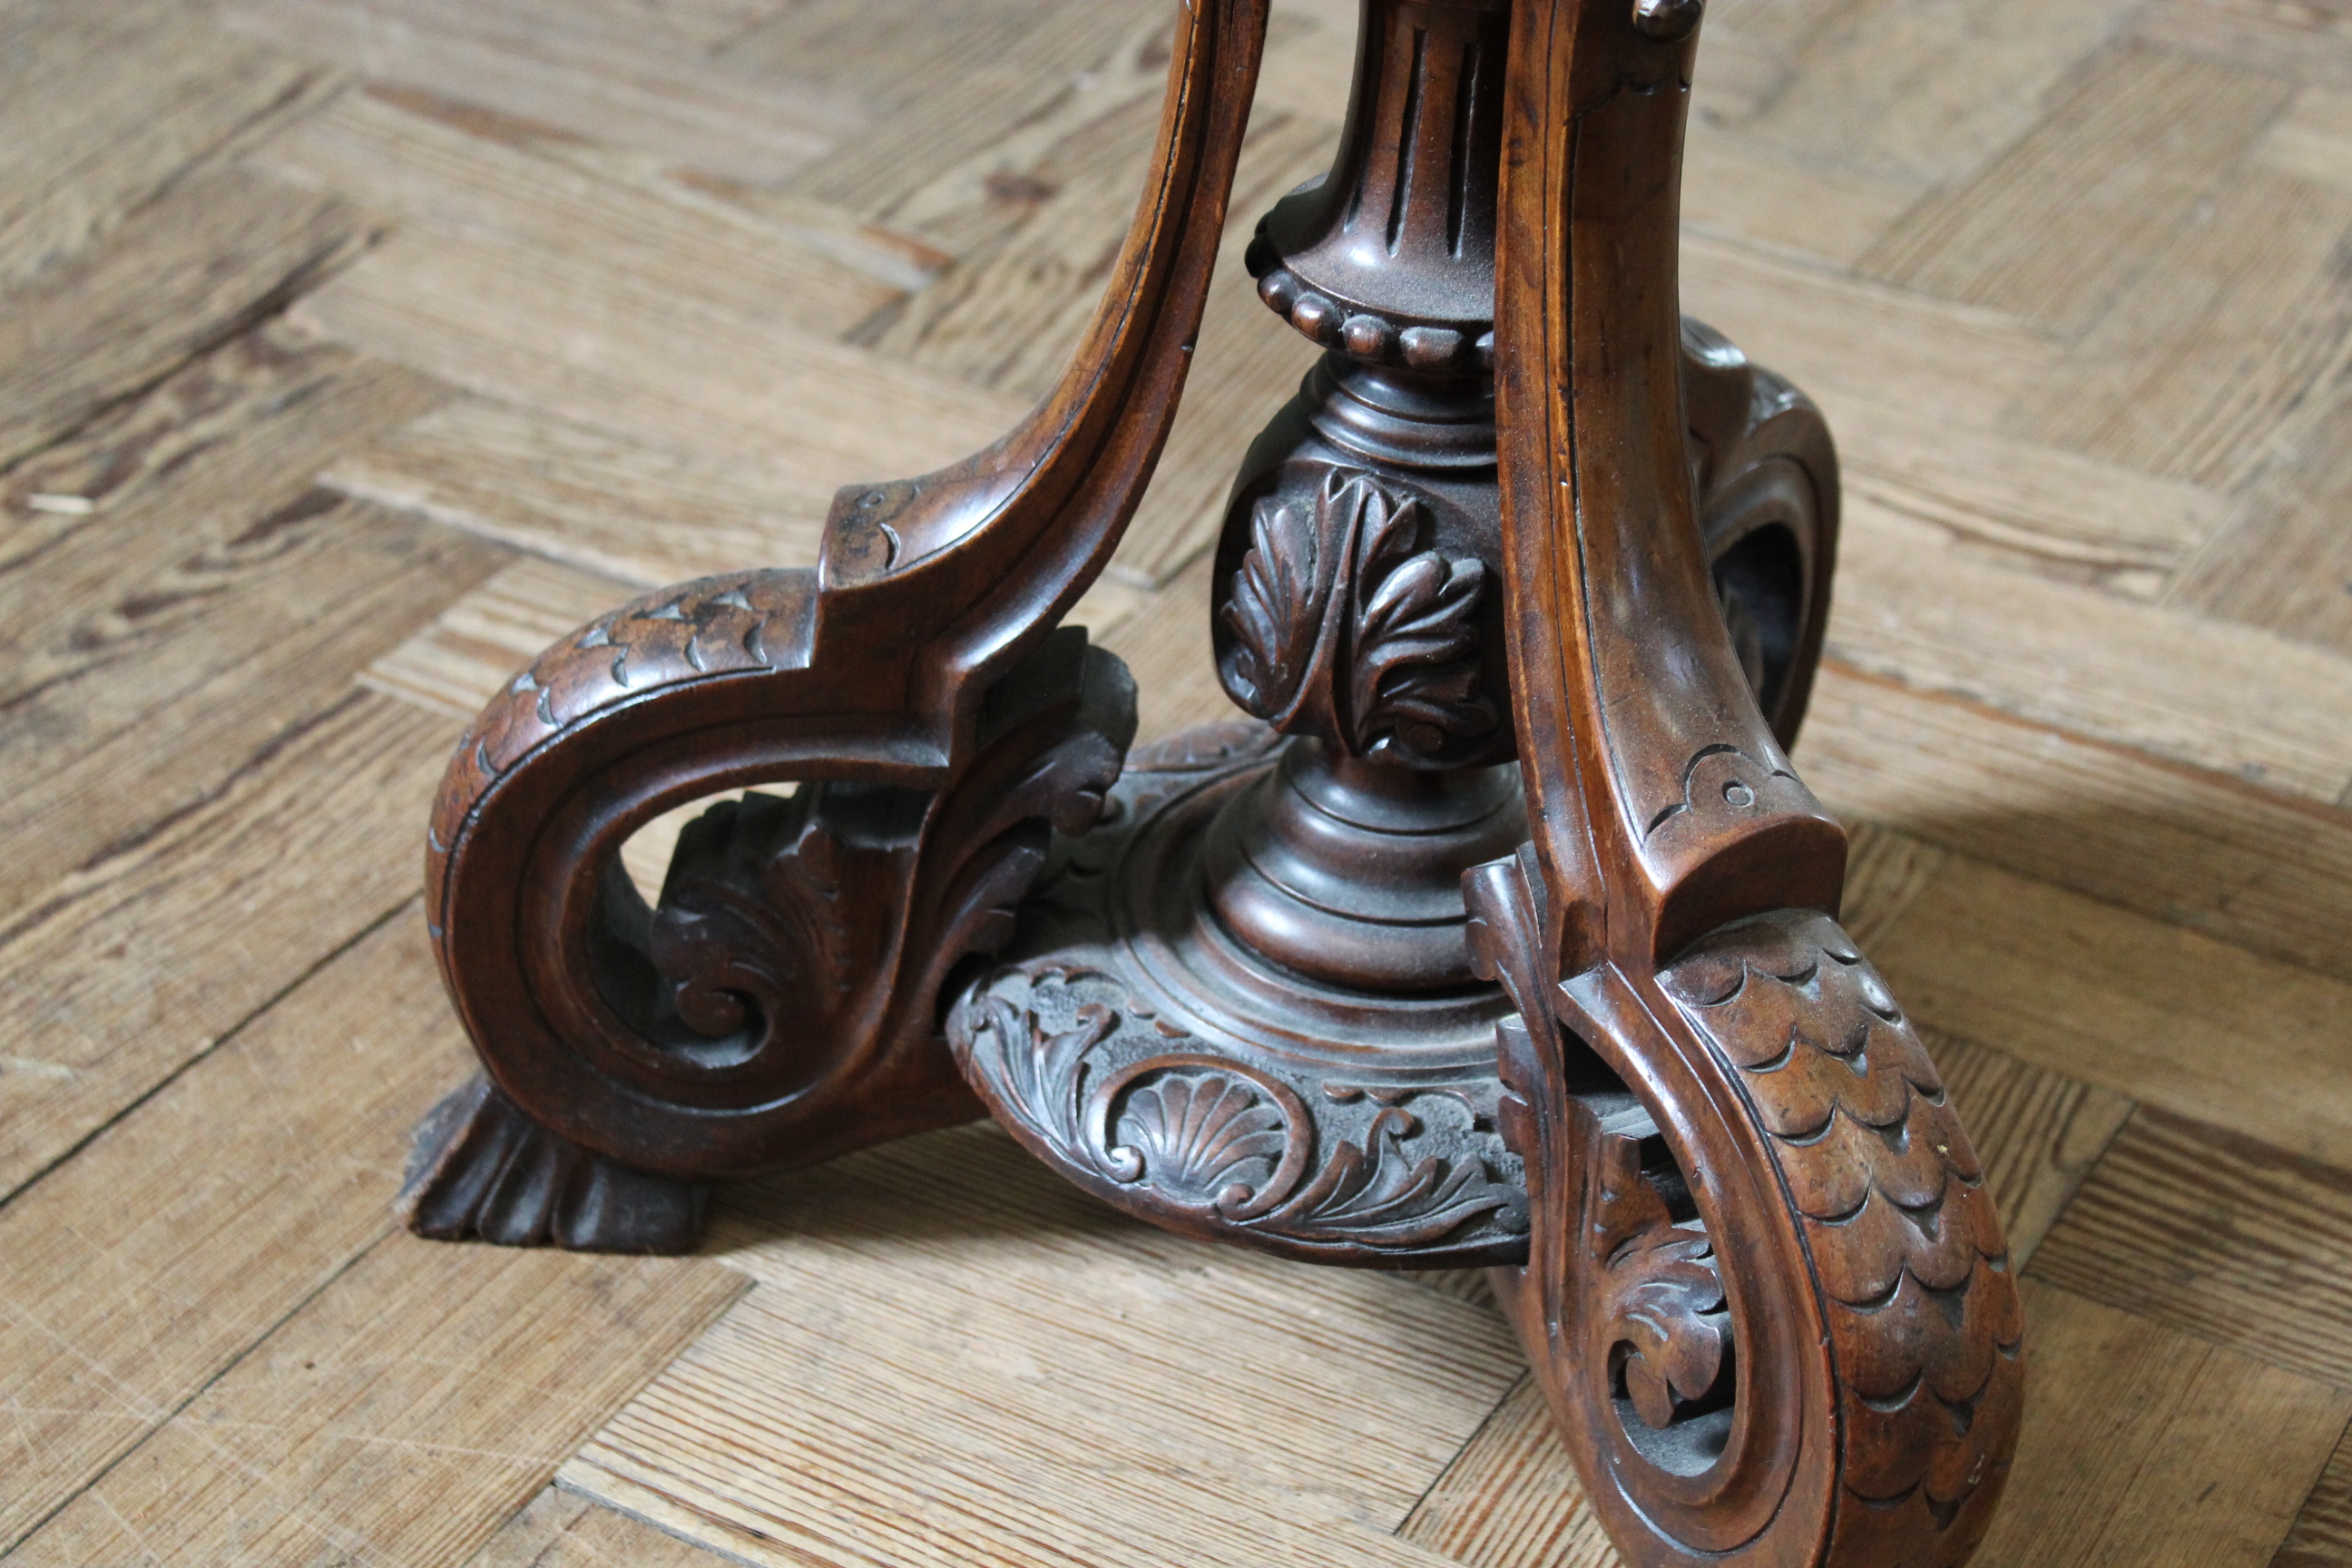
column 1041, row 1070
column 1414, row 673
column 1273, row 614
column 1205, row 1135
column 1378, row 1194
column 1660, row 1297
column 1336, row 582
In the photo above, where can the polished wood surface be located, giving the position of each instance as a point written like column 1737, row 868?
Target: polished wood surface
column 2084, row 697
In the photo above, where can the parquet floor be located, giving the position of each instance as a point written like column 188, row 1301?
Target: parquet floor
column 351, row 349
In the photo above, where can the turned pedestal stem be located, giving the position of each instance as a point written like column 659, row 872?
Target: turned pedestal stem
column 1356, row 605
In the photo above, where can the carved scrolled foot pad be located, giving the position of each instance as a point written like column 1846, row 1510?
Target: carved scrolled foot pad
column 1767, row 1295
column 1905, row 1248
column 482, row 1169
column 1138, row 1049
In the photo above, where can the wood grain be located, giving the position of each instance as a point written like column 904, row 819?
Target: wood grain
column 2322, row 1536
column 1008, row 313
column 1166, row 645
column 380, row 151
column 418, row 1399
column 605, row 502
column 2296, row 42
column 231, row 431
column 2284, row 559
column 1921, row 94
column 948, row 1354
column 474, row 648
column 2150, row 1010
column 1733, row 190
column 2063, row 218
column 158, row 484
column 2313, row 139
column 1885, row 872
column 1510, row 1498
column 2137, row 1445
column 591, row 344
column 1247, row 373
column 156, row 1257
column 2069, row 517
column 164, row 688
column 2256, row 270
column 140, row 959
column 2038, row 1133
column 2251, row 866
column 561, row 1530
column 1000, row 182
column 1914, row 605
column 2218, row 1236
column 214, row 254
column 1851, row 340
column 104, row 108
column 959, row 79
column 594, row 71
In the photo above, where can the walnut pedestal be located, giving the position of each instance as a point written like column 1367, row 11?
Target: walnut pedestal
column 1499, row 930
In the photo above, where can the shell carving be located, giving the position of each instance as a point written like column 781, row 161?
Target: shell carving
column 1209, row 1137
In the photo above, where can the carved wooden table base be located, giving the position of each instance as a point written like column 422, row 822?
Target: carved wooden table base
column 1502, row 933
column 1136, row 1047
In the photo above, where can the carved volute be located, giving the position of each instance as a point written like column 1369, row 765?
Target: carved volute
column 1358, row 595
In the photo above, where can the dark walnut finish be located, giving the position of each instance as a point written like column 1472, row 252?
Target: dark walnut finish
column 1500, row 932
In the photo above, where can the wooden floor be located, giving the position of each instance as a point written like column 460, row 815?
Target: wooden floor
column 351, row 349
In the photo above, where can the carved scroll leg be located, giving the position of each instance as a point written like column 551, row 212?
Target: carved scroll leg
column 483, row 1169
column 1766, row 1294
column 1909, row 1270
column 1767, row 1291
column 779, row 1007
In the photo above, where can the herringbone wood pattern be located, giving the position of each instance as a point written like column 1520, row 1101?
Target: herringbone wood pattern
column 349, row 349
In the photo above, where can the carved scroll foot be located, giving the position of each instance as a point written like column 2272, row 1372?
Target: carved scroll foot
column 778, row 1005
column 1767, row 1290
column 482, row 1169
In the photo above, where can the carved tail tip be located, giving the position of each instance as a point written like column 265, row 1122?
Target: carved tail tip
column 481, row 1169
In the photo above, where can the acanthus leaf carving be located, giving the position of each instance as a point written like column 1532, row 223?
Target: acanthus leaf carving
column 1275, row 603
column 1339, row 584
column 1041, row 1069
column 1660, row 1300
column 787, row 916
column 1120, row 1102
column 1413, row 675
column 1376, row 1194
column 765, row 909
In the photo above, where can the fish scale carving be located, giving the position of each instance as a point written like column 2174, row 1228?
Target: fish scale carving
column 1901, row 1229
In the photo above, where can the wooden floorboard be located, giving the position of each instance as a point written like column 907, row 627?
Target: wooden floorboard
column 217, row 252
column 353, row 349
column 2322, row 1535
column 563, row 1529
column 2134, row 1435
column 2220, row 1236
column 949, row 1356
